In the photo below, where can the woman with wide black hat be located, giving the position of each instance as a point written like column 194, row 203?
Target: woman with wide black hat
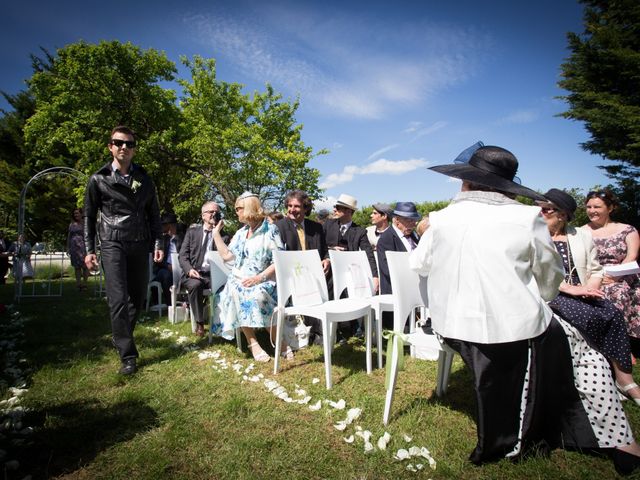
column 492, row 269
column 581, row 301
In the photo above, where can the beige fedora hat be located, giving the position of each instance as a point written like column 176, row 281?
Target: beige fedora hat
column 348, row 201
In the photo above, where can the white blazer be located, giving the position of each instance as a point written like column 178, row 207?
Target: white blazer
column 492, row 268
column 584, row 254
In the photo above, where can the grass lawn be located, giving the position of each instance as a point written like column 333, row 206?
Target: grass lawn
column 184, row 417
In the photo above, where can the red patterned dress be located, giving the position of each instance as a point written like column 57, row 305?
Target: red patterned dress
column 624, row 293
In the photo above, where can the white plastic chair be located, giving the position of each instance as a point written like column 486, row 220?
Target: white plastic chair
column 351, row 270
column 158, row 307
column 219, row 271
column 410, row 293
column 176, row 289
column 300, row 278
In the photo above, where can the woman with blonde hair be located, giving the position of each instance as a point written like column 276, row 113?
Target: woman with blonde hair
column 249, row 296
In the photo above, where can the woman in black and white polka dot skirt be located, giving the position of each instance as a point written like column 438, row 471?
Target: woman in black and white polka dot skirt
column 581, row 302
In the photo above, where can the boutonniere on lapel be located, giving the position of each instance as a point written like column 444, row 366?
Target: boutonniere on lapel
column 135, row 185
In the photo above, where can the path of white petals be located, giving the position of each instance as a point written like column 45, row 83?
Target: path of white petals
column 12, row 429
column 12, row 413
column 416, row 457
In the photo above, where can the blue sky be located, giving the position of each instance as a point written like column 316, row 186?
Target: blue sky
column 388, row 87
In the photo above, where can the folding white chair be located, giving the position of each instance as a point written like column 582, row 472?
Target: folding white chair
column 300, row 278
column 176, row 290
column 219, row 271
column 158, row 307
column 410, row 293
column 351, row 270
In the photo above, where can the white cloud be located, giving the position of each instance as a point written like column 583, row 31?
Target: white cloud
column 333, row 61
column 412, row 127
column 379, row 152
column 379, row 167
column 325, row 203
column 430, row 129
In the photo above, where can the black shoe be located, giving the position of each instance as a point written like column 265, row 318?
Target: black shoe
column 128, row 367
column 625, row 463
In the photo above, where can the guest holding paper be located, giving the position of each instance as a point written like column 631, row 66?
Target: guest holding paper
column 581, row 301
column 617, row 243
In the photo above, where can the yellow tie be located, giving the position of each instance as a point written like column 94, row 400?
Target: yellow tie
column 303, row 245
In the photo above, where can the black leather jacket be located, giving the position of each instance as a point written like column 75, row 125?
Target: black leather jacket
column 127, row 213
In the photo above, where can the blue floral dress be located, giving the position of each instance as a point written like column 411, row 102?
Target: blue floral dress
column 248, row 306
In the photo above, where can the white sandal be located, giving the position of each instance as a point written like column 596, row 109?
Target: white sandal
column 625, row 389
column 261, row 356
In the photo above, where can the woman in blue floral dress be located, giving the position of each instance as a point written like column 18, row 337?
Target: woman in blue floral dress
column 249, row 296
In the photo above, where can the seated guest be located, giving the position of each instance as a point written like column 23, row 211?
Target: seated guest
column 249, row 296
column 401, row 237
column 616, row 243
column 380, row 217
column 300, row 233
column 341, row 233
column 163, row 271
column 195, row 270
column 492, row 269
column 581, row 302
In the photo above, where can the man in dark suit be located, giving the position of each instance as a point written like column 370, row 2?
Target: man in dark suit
column 172, row 241
column 341, row 233
column 300, row 233
column 195, row 271
column 401, row 237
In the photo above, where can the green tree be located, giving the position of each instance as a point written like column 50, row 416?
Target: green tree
column 237, row 142
column 602, row 75
column 85, row 90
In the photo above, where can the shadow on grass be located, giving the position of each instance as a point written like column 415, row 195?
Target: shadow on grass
column 71, row 435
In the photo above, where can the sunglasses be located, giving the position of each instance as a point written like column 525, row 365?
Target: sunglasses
column 119, row 143
column 548, row 210
column 600, row 194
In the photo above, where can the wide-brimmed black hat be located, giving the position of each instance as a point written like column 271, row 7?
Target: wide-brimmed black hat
column 563, row 201
column 489, row 166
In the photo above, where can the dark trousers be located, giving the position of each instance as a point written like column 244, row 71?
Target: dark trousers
column 126, row 273
column 165, row 277
column 4, row 267
column 195, row 287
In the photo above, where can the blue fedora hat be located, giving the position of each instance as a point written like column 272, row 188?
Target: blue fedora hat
column 407, row 210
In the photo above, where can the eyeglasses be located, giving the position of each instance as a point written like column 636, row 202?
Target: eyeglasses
column 119, row 143
column 548, row 210
column 210, row 212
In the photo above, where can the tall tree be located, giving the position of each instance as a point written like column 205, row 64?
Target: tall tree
column 602, row 76
column 238, row 142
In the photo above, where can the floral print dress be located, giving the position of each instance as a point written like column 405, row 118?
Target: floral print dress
column 625, row 293
column 241, row 306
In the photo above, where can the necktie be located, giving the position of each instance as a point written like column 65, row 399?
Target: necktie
column 343, row 230
column 412, row 243
column 207, row 240
column 300, row 230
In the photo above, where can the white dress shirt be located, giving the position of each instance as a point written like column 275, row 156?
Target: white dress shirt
column 492, row 267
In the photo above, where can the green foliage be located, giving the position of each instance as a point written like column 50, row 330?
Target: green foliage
column 237, row 142
column 602, row 76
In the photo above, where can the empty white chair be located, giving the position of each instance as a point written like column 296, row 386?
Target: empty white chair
column 176, row 290
column 300, row 278
column 410, row 293
column 219, row 271
column 351, row 270
column 158, row 307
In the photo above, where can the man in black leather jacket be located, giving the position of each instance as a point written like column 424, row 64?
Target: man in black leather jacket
column 126, row 199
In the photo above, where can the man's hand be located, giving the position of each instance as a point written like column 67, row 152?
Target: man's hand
column 91, row 261
column 193, row 274
column 376, row 284
column 326, row 264
column 158, row 255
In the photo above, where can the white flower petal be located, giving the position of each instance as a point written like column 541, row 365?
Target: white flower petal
column 368, row 447
column 407, row 438
column 315, row 407
column 411, row 468
column 401, row 454
column 349, row 439
column 315, row 380
column 340, row 426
